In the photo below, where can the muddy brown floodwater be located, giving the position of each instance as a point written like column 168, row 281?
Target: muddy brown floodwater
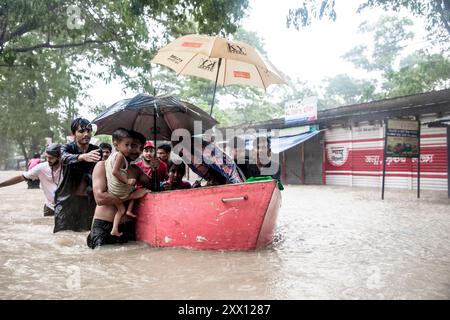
column 331, row 243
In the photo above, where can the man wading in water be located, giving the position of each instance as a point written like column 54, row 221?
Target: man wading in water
column 106, row 202
column 48, row 173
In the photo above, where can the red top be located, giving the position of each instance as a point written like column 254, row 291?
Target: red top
column 162, row 170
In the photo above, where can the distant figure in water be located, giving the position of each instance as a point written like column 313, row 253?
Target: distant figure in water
column 34, row 184
column 48, row 173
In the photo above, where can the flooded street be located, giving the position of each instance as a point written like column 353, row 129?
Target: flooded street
column 331, row 243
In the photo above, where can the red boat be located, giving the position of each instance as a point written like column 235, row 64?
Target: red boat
column 227, row 217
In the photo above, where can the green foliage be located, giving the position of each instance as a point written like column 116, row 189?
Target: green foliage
column 419, row 72
column 389, row 36
column 48, row 50
column 435, row 12
column 344, row 90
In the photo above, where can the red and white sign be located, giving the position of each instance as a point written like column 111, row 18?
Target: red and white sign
column 301, row 110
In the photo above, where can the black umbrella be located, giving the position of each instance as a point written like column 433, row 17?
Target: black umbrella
column 154, row 117
column 139, row 114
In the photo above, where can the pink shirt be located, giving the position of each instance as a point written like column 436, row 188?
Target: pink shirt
column 33, row 162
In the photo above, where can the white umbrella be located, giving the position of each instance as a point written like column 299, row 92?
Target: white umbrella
column 223, row 61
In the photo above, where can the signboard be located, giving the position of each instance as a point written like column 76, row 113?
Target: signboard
column 337, row 156
column 301, row 110
column 402, row 138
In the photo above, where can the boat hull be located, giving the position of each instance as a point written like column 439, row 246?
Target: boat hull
column 229, row 217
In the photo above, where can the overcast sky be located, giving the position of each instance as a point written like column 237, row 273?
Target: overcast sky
column 311, row 54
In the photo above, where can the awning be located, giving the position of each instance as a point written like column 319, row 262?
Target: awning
column 280, row 144
column 442, row 122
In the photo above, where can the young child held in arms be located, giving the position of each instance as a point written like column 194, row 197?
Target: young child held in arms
column 120, row 183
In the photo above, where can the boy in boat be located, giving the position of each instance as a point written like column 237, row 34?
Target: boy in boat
column 175, row 181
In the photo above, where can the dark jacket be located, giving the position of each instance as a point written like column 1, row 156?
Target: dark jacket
column 67, row 215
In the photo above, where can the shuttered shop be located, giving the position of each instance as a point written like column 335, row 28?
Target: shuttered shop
column 354, row 157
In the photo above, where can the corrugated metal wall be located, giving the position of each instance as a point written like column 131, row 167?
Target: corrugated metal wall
column 354, row 157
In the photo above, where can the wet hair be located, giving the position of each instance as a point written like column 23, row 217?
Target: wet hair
column 80, row 123
column 105, row 145
column 167, row 148
column 36, row 156
column 120, row 134
column 137, row 136
column 213, row 175
column 178, row 168
column 53, row 149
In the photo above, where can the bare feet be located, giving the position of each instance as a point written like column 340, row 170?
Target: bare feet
column 130, row 214
column 116, row 233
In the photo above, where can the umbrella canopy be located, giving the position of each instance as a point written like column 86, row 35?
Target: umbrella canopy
column 218, row 59
column 138, row 114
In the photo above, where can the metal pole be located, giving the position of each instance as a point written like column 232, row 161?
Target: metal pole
column 384, row 158
column 215, row 85
column 156, row 184
column 418, row 167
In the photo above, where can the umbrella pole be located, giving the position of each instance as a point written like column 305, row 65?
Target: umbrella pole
column 215, row 86
column 154, row 141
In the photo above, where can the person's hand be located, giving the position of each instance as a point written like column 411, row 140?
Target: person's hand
column 131, row 182
column 197, row 184
column 154, row 163
column 92, row 156
column 168, row 186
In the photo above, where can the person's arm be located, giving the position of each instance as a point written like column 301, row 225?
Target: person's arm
column 118, row 164
column 69, row 157
column 12, row 181
column 100, row 186
column 92, row 156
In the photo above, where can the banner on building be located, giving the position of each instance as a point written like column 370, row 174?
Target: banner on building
column 301, row 110
column 402, row 138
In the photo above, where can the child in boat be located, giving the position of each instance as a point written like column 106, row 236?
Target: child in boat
column 212, row 178
column 175, row 181
column 119, row 183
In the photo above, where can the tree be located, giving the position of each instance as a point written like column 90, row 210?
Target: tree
column 436, row 13
column 48, row 50
column 344, row 90
column 413, row 74
column 420, row 72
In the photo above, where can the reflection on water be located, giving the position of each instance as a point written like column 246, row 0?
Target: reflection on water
column 331, row 243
